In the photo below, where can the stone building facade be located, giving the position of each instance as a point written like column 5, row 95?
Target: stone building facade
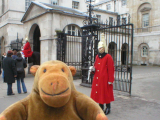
column 39, row 20
column 48, row 20
column 146, row 18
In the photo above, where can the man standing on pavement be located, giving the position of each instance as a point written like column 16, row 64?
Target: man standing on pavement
column 10, row 71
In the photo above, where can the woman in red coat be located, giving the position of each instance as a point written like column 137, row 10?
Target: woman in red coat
column 102, row 86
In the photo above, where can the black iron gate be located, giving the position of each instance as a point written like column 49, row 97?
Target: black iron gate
column 81, row 51
column 61, row 46
column 119, row 40
column 69, row 50
column 89, row 51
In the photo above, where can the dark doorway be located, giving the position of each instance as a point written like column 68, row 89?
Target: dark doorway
column 124, row 54
column 112, row 48
column 36, row 41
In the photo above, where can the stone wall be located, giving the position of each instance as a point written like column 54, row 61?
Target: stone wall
column 149, row 36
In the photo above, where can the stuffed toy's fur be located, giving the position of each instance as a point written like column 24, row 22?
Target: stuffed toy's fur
column 54, row 97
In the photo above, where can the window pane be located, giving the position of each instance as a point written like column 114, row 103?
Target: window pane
column 73, row 28
column 108, row 6
column 145, row 20
column 99, row 18
column 69, row 27
column 54, row 2
column 73, row 32
column 124, row 2
column 69, row 32
column 144, row 51
column 123, row 21
column 75, row 5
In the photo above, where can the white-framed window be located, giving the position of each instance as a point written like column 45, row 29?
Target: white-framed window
column 54, row 2
column 108, row 6
column 124, row 21
column 145, row 20
column 27, row 3
column 124, row 2
column 99, row 18
column 144, row 51
column 75, row 4
column 72, row 30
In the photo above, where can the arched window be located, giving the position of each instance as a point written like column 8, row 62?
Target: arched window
column 144, row 51
column 72, row 30
column 144, row 12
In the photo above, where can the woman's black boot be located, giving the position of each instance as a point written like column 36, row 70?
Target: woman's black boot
column 107, row 110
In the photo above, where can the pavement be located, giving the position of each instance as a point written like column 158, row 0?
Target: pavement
column 142, row 104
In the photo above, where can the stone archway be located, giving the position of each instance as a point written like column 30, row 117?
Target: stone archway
column 34, row 36
column 34, row 40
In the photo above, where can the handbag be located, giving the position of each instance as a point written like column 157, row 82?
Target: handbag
column 20, row 70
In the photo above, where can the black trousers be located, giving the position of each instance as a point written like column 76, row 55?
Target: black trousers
column 9, row 90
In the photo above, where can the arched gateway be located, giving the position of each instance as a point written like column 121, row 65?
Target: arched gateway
column 34, row 35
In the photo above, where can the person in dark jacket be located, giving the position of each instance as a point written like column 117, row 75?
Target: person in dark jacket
column 14, row 56
column 20, row 64
column 9, row 71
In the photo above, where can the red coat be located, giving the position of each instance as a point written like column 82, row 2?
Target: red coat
column 27, row 50
column 101, row 91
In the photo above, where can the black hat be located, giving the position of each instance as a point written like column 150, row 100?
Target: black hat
column 15, row 49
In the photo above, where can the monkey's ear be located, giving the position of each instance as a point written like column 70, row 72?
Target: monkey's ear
column 34, row 69
column 73, row 70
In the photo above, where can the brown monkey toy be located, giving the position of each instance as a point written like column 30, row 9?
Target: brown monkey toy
column 54, row 97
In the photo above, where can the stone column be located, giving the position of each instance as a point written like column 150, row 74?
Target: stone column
column 48, row 50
